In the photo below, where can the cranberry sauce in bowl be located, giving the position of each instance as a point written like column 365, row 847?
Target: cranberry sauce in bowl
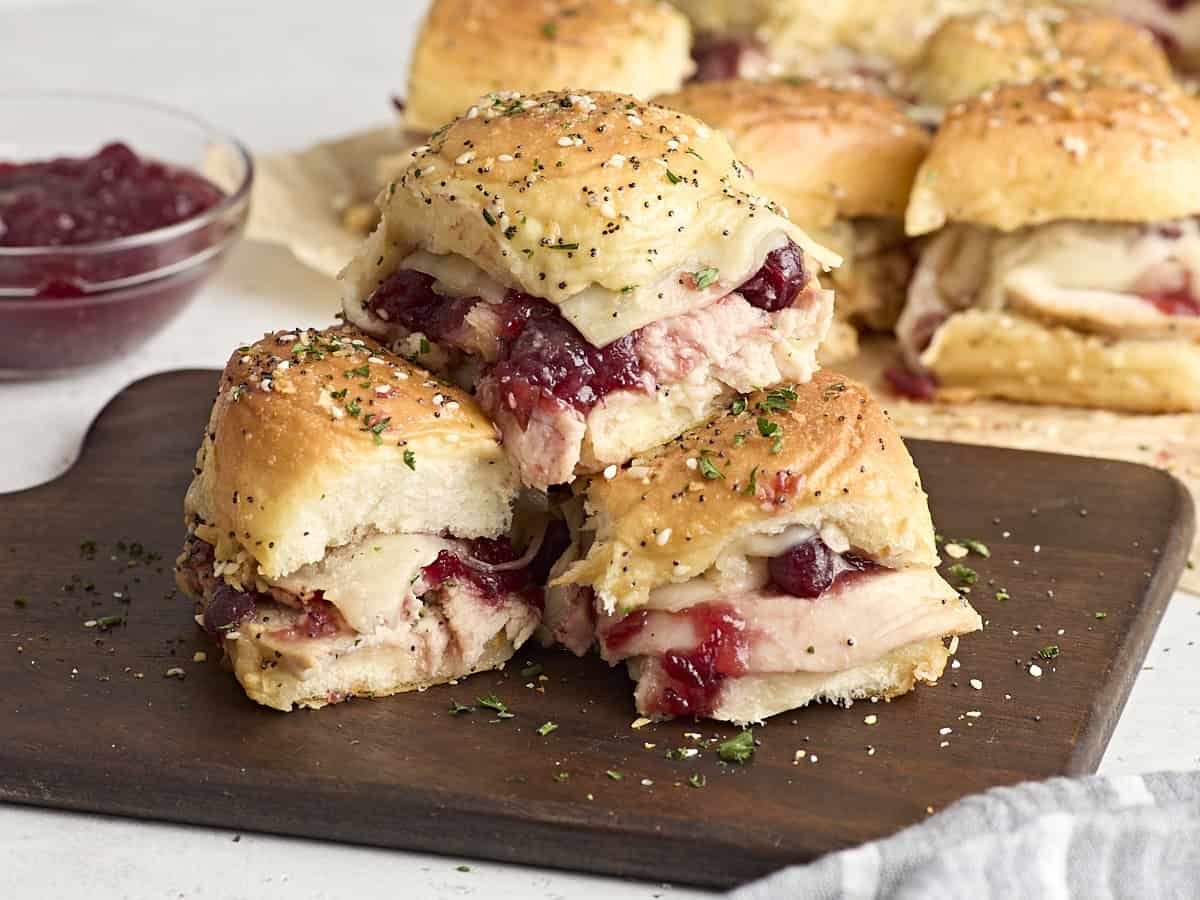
column 107, row 227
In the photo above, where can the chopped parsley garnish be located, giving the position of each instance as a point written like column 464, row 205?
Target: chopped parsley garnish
column 751, row 488
column 110, row 621
column 1003, row 594
column 340, row 395
column 410, row 459
column 21, row 601
column 738, row 406
column 737, row 749
column 767, row 428
column 833, row 390
column 363, row 371
column 975, row 546
column 672, row 177
column 510, row 232
column 1049, row 652
column 708, row 470
column 629, row 289
column 377, row 428
column 546, row 727
column 1101, row 615
column 550, row 29
column 692, row 152
column 705, row 278
column 965, row 574
column 562, row 246
column 462, row 868
column 492, row 702
column 697, row 780
column 778, row 400
column 457, row 709
column 353, row 408
column 527, row 252
column 777, row 447
column 489, row 218
column 424, row 346
column 614, row 775
column 739, row 439
column 561, row 776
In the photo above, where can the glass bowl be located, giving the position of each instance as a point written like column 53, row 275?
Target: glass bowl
column 128, row 288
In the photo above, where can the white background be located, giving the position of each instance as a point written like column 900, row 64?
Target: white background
column 281, row 75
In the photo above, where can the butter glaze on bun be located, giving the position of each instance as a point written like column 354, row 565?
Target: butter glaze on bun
column 838, row 462
column 300, row 456
column 821, row 151
column 467, row 48
column 1087, row 149
column 972, row 52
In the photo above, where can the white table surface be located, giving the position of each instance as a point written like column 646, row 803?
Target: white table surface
column 281, row 75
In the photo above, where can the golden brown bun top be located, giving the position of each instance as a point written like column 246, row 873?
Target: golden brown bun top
column 308, row 426
column 467, row 48
column 820, row 150
column 829, row 456
column 972, row 52
column 559, row 192
column 1085, row 149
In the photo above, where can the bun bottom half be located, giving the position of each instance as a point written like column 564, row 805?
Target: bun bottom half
column 753, row 698
column 979, row 353
column 371, row 672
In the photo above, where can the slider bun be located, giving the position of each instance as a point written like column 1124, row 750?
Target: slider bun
column 753, row 698
column 820, row 151
column 467, row 48
column 993, row 354
column 285, row 472
column 661, row 521
column 637, row 192
column 972, row 52
column 1095, row 150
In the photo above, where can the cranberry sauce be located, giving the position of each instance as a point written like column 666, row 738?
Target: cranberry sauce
column 811, row 568
column 696, row 676
column 226, row 610
column 406, row 297
column 780, row 280
column 547, row 359
column 910, row 384
column 725, row 58
column 494, row 587
column 69, row 201
column 1178, row 302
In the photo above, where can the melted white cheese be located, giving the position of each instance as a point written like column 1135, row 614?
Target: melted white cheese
column 602, row 315
column 371, row 581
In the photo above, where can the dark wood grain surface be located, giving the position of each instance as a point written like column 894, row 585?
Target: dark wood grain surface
column 1088, row 552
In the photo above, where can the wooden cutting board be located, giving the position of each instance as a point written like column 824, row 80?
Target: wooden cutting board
column 1087, row 551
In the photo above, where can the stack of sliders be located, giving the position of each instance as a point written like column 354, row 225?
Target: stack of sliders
column 639, row 324
column 841, row 161
column 348, row 525
column 1065, row 256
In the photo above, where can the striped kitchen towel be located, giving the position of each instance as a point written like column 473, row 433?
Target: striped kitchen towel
column 1135, row 836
